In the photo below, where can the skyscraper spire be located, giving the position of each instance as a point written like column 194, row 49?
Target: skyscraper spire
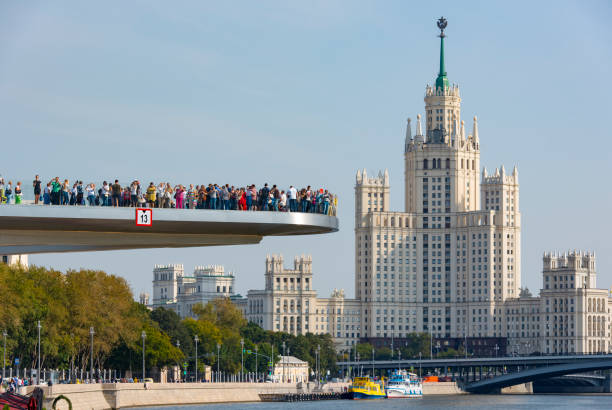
column 442, row 81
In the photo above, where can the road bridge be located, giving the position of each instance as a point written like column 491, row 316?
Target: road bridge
column 474, row 362
column 43, row 229
column 495, row 384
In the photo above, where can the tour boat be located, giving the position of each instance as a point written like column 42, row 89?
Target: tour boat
column 366, row 388
column 404, row 385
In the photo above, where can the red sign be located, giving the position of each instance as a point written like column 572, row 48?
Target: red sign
column 144, row 217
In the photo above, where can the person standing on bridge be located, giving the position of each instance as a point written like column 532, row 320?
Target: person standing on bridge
column 116, row 191
column 56, row 188
column 18, row 193
column 151, row 195
column 36, row 184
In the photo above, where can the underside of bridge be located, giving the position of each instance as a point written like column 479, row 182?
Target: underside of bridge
column 495, row 384
column 45, row 229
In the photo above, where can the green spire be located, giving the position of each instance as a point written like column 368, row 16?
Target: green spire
column 442, row 80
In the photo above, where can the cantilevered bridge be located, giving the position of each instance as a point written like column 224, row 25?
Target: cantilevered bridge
column 43, row 229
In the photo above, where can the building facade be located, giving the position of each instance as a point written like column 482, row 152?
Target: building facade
column 290, row 304
column 173, row 290
column 570, row 316
column 449, row 261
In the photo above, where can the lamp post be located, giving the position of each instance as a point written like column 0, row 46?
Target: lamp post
column 420, row 358
column 358, row 368
column 438, row 348
column 496, row 349
column 242, row 359
column 465, row 328
column 143, row 335
column 431, row 342
column 4, row 334
column 372, row 362
column 178, row 346
column 318, row 364
column 283, row 361
column 256, row 350
column 218, row 360
column 196, row 339
column 399, row 354
column 91, row 335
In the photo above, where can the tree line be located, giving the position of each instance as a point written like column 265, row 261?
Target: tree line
column 69, row 304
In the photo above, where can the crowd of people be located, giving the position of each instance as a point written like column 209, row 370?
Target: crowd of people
column 166, row 195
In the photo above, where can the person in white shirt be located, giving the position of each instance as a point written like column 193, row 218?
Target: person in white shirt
column 292, row 199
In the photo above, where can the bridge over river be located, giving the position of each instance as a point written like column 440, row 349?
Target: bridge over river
column 490, row 374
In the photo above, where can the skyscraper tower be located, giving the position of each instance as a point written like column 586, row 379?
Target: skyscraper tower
column 446, row 264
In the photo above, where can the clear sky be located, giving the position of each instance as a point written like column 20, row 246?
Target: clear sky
column 304, row 93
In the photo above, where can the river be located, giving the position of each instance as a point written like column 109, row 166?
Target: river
column 490, row 402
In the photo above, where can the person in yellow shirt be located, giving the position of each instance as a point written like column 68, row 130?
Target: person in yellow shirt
column 151, row 195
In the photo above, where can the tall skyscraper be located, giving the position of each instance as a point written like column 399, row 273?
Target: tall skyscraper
column 447, row 263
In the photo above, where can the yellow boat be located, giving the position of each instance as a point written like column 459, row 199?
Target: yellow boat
column 366, row 388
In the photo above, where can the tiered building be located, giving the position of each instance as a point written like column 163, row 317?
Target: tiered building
column 173, row 290
column 290, row 304
column 447, row 264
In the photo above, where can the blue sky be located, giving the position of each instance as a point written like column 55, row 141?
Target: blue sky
column 306, row 93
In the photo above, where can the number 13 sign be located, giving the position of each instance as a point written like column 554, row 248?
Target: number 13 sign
column 144, row 217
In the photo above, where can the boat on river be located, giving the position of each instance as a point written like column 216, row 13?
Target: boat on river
column 366, row 388
column 404, row 385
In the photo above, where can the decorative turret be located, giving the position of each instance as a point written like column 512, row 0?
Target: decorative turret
column 475, row 132
column 408, row 135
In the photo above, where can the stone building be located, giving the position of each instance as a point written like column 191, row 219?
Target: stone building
column 290, row 304
column 449, row 264
column 173, row 290
column 570, row 316
column 446, row 264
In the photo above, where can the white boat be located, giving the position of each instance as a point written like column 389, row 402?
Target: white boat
column 404, row 385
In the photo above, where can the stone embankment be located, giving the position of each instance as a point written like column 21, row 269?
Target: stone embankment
column 122, row 395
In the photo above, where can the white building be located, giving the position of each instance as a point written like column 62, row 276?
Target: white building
column 446, row 264
column 450, row 263
column 173, row 290
column 290, row 369
column 290, row 304
column 570, row 316
column 15, row 260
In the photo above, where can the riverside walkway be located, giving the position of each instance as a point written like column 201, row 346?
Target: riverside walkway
column 45, row 229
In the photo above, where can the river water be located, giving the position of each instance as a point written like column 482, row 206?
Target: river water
column 488, row 402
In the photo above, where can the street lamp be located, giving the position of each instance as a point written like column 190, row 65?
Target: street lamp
column 496, row 349
column 144, row 336
column 196, row 339
column 372, row 362
column 241, row 359
column 4, row 334
column 438, row 348
column 178, row 346
column 256, row 350
column 319, row 363
column 91, row 334
column 283, row 359
column 218, row 360
column 358, row 368
column 420, row 358
column 399, row 355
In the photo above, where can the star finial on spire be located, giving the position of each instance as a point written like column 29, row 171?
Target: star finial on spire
column 442, row 23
